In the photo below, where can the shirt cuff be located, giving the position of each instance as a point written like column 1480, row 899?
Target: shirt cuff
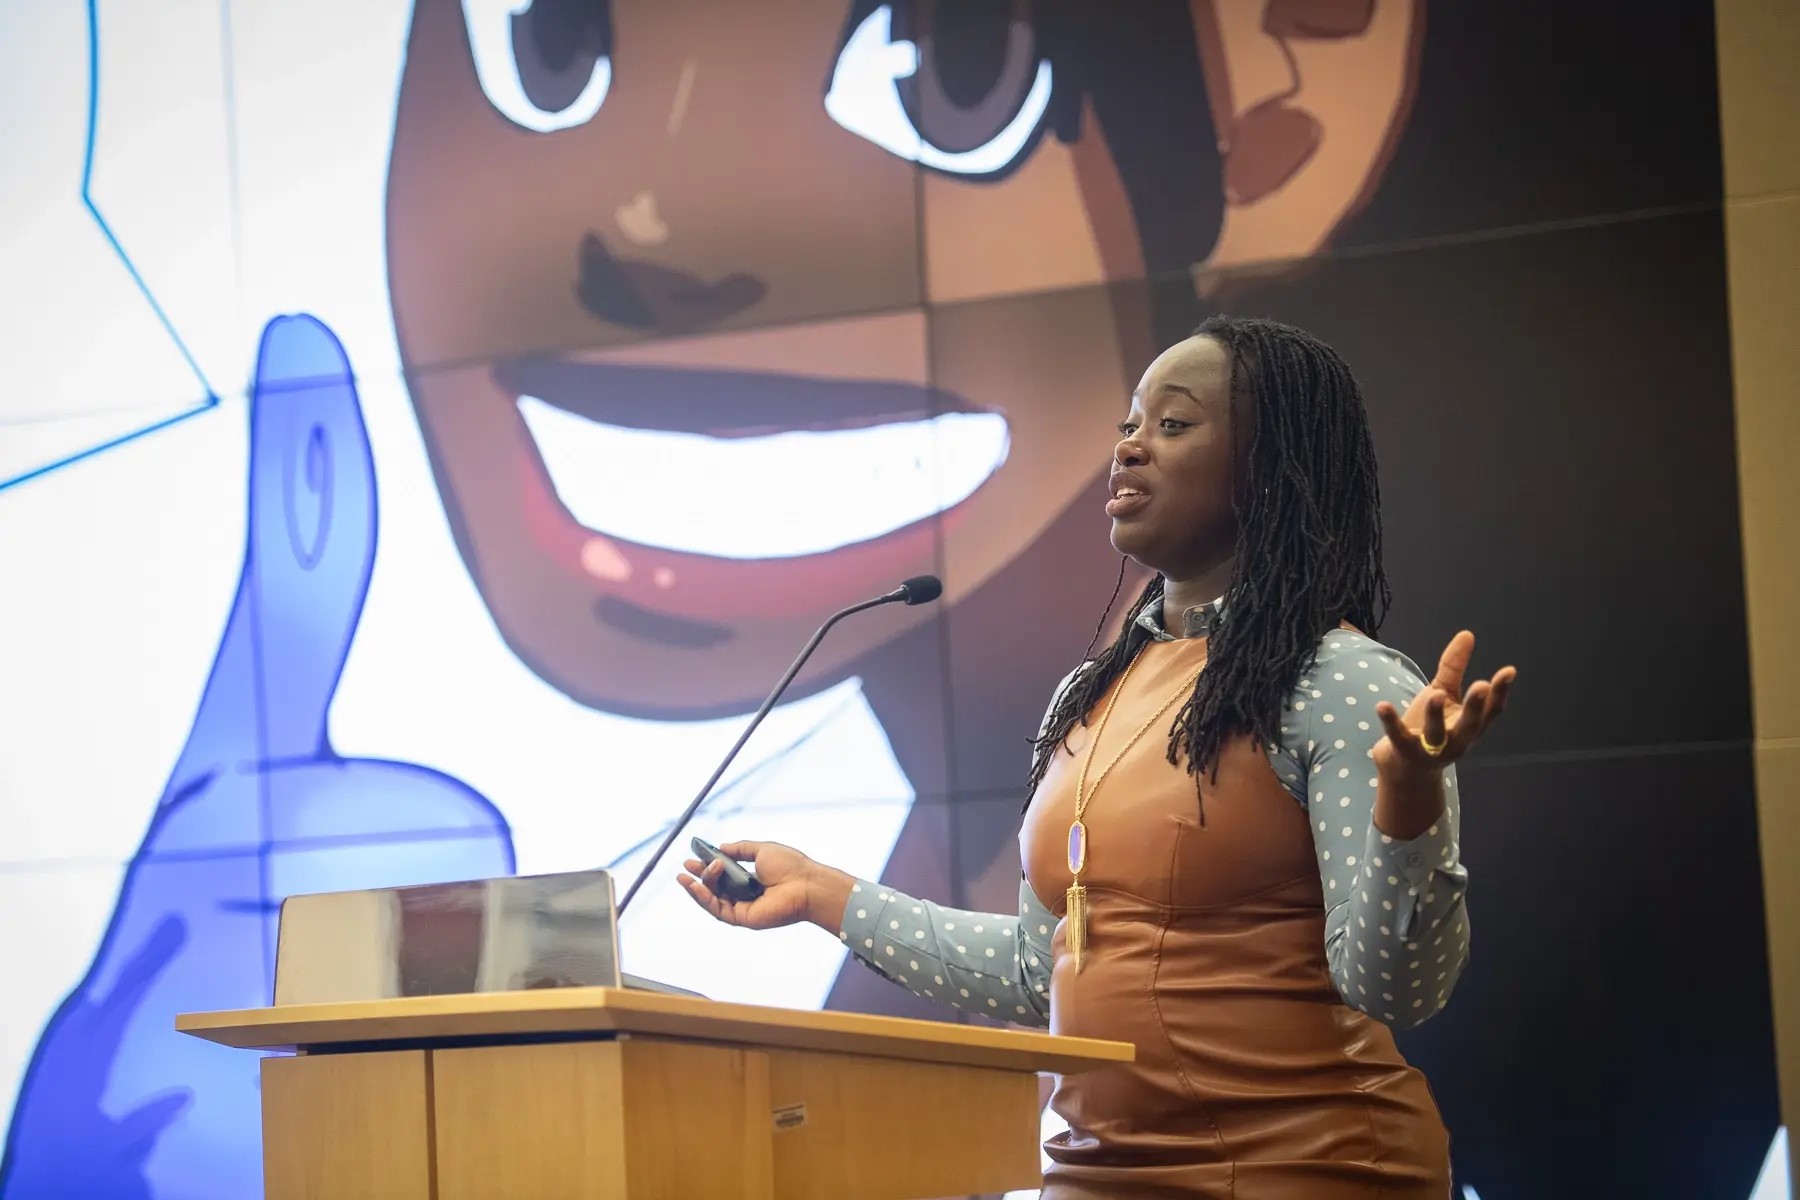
column 1412, row 863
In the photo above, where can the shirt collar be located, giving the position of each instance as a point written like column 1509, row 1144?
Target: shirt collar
column 1198, row 621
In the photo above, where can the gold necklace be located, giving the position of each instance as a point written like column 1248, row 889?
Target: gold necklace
column 1075, row 899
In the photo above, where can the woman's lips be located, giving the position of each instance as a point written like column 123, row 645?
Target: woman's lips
column 1128, row 492
column 1127, row 504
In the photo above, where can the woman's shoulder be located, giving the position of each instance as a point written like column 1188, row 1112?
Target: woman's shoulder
column 1349, row 662
column 1333, row 703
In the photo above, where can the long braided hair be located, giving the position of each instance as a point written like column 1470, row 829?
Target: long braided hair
column 1308, row 551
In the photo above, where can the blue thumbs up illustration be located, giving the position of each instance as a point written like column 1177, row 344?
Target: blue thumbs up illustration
column 115, row 1104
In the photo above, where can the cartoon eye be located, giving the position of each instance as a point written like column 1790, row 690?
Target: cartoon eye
column 961, row 87
column 545, row 64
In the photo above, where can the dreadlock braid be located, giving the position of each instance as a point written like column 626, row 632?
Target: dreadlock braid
column 1308, row 551
column 1100, row 625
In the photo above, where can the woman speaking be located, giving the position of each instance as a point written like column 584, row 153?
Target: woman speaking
column 1240, row 848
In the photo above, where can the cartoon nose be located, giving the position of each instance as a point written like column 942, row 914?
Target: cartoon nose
column 654, row 298
column 639, row 221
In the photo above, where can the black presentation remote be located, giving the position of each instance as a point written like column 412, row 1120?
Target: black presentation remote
column 735, row 883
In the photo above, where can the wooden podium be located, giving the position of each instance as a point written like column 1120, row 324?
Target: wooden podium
column 579, row 1093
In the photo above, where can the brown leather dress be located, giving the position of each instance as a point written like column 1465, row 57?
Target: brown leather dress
column 1206, row 950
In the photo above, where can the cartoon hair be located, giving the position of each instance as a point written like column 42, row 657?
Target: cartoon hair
column 1143, row 81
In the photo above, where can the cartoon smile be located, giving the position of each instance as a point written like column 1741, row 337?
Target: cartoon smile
column 819, row 470
column 812, row 465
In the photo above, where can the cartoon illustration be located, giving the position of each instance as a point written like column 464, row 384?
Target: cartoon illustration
column 652, row 297
column 258, row 807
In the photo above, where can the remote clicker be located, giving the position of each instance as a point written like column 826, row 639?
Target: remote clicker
column 735, row 883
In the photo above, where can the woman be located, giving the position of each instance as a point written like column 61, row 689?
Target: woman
column 1240, row 850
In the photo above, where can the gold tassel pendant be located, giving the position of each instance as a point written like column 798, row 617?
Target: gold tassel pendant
column 1075, row 900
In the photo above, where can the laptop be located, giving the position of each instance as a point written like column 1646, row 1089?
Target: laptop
column 512, row 933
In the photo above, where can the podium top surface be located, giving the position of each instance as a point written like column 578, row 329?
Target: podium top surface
column 562, row 1012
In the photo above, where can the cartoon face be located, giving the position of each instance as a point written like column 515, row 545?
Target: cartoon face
column 711, row 312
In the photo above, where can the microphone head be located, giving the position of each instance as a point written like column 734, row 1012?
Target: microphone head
column 922, row 589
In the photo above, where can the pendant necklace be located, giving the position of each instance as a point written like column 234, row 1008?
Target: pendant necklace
column 1075, row 908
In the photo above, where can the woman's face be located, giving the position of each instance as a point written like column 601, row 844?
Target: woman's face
column 719, row 317
column 1180, row 456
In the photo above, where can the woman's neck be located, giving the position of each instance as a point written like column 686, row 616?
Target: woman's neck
column 1179, row 595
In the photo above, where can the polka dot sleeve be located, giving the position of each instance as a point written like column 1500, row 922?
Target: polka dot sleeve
column 985, row 962
column 1396, row 934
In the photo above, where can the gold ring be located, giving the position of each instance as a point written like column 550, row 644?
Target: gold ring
column 1433, row 748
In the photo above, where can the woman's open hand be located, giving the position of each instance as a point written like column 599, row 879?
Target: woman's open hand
column 1446, row 720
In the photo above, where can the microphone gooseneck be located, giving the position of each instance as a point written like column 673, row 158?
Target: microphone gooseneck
column 920, row 589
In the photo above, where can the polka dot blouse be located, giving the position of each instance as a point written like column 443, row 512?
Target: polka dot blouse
column 1396, row 934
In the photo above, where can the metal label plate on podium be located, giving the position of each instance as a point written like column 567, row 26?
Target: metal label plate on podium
column 507, row 934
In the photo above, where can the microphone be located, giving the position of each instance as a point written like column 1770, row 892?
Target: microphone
column 920, row 589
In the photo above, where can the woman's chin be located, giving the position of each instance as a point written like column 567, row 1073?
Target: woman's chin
column 1130, row 538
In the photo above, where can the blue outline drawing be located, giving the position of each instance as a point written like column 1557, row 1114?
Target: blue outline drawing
column 115, row 1105
column 87, row 201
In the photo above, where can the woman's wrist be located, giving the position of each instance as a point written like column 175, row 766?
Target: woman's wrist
column 1409, row 799
column 827, row 896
